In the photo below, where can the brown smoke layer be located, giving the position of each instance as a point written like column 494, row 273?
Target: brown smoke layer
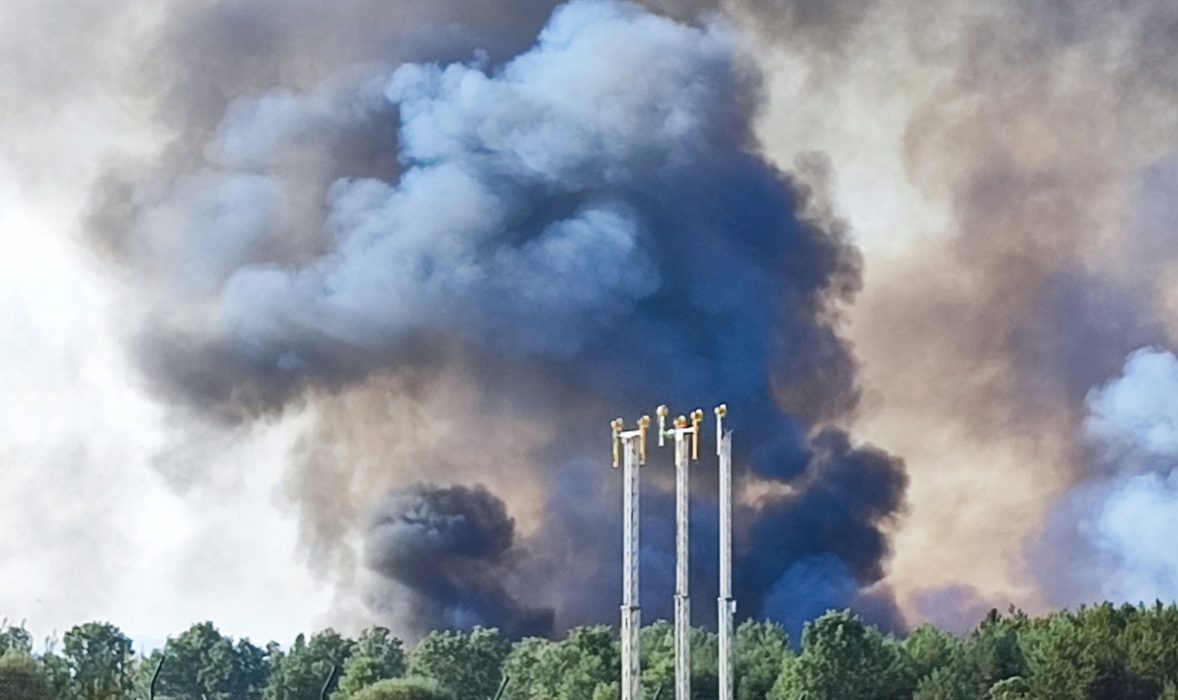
column 1009, row 272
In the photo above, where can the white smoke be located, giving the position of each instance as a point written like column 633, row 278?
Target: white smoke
column 1133, row 423
column 1134, row 418
column 452, row 244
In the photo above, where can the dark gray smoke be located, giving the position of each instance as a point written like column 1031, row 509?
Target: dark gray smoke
column 579, row 232
column 443, row 554
column 815, row 547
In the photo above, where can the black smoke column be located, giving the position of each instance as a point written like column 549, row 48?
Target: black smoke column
column 443, row 552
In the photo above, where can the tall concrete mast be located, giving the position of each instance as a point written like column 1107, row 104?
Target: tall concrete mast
column 686, row 449
column 726, row 604
column 633, row 446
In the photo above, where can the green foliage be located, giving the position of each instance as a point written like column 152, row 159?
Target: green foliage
column 947, row 683
column 1084, row 655
column 705, row 668
column 57, row 671
column 376, row 656
column 100, row 662
column 538, row 669
column 300, row 673
column 1099, row 653
column 657, row 657
column 403, row 689
column 251, row 671
column 952, row 669
column 15, row 638
column 1150, row 642
column 760, row 649
column 468, row 664
column 658, row 661
column 530, row 671
column 845, row 659
column 587, row 662
column 930, row 649
column 202, row 663
column 994, row 652
column 585, row 659
column 608, row 691
column 1014, row 688
column 22, row 677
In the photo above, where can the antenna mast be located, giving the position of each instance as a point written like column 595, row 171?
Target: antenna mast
column 630, row 449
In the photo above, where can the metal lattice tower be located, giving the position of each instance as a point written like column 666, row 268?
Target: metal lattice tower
column 629, row 454
column 682, row 566
column 726, row 607
column 686, row 436
column 632, row 446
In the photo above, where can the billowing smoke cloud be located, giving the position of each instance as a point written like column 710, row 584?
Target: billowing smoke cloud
column 539, row 199
column 997, row 161
column 1134, row 419
column 1010, row 173
column 1117, row 523
column 530, row 247
column 443, row 554
column 825, row 536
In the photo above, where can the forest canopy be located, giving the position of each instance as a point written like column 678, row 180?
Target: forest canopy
column 1101, row 652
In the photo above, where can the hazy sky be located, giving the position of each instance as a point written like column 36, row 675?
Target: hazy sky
column 91, row 529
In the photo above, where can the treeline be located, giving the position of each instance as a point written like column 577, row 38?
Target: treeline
column 1104, row 652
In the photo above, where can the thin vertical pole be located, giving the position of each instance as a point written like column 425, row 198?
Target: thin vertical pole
column 727, row 606
column 682, row 544
column 631, row 612
column 502, row 687
column 327, row 683
column 155, row 677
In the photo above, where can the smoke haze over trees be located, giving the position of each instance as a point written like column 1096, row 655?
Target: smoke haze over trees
column 340, row 299
column 1100, row 653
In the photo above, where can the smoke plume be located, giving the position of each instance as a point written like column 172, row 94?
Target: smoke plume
column 822, row 542
column 639, row 208
column 475, row 265
column 1001, row 163
column 1115, row 523
column 443, row 554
